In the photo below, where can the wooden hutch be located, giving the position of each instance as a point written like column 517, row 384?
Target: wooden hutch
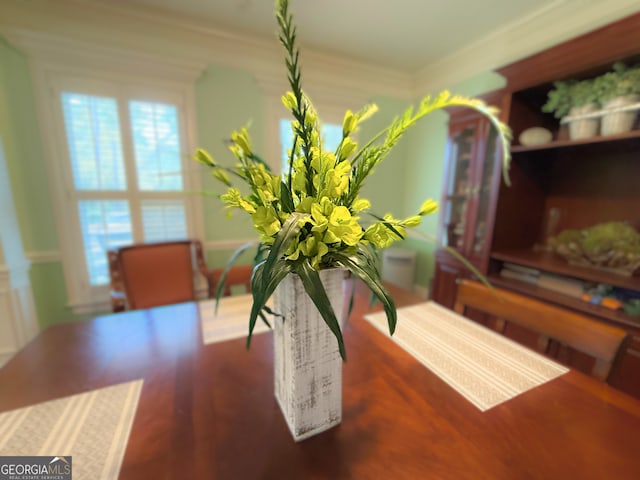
column 558, row 185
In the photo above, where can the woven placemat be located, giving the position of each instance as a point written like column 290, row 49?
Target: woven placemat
column 92, row 427
column 231, row 320
column 483, row 366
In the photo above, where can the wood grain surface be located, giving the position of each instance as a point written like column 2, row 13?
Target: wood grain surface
column 208, row 411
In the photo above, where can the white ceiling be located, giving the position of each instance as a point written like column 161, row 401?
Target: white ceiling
column 402, row 34
column 400, row 48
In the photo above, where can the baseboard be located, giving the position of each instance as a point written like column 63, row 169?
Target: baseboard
column 420, row 291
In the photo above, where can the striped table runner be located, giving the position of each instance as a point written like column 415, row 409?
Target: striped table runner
column 482, row 365
column 231, row 321
column 92, row 427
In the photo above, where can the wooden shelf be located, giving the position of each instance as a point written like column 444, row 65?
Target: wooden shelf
column 632, row 135
column 617, row 316
column 551, row 262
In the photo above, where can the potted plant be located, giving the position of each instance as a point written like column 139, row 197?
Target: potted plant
column 615, row 90
column 573, row 101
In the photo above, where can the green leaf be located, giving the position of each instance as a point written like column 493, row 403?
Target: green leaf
column 285, row 198
column 462, row 260
column 262, row 287
column 223, row 278
column 270, row 272
column 358, row 264
column 271, row 312
column 284, row 237
column 352, row 296
column 264, row 318
column 470, row 266
column 314, row 288
column 370, row 254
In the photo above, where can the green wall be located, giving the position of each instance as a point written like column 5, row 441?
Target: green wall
column 226, row 99
column 19, row 128
column 30, row 188
column 423, row 179
column 384, row 188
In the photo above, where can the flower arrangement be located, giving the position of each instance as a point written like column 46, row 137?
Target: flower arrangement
column 312, row 217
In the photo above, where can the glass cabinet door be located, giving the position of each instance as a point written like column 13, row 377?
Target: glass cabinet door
column 482, row 190
column 458, row 187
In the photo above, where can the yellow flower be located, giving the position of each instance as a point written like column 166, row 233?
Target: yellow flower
column 382, row 236
column 236, row 150
column 351, row 120
column 428, row 207
column 322, row 163
column 412, row 221
column 349, row 123
column 342, row 227
column 204, row 157
column 266, row 221
column 313, row 248
column 360, row 204
column 319, row 215
column 347, row 147
column 334, row 182
column 241, row 139
column 289, row 101
column 233, row 198
column 266, row 185
column 299, row 176
column 222, row 176
column 305, row 205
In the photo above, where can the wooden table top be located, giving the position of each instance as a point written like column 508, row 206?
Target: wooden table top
column 209, row 411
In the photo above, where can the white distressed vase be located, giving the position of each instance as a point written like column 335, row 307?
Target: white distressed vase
column 307, row 363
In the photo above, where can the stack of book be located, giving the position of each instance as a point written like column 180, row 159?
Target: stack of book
column 518, row 272
column 557, row 283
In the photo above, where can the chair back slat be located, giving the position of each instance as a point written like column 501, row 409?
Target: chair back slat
column 599, row 340
column 153, row 274
column 237, row 276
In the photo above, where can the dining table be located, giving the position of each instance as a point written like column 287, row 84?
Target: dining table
column 208, row 410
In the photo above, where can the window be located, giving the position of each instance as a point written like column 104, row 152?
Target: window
column 117, row 205
column 124, row 160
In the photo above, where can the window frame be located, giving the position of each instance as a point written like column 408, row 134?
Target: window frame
column 50, row 83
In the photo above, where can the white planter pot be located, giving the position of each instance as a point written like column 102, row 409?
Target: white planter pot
column 307, row 363
column 619, row 122
column 580, row 128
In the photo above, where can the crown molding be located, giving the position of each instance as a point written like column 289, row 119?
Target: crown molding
column 84, row 30
column 144, row 38
column 558, row 21
column 60, row 51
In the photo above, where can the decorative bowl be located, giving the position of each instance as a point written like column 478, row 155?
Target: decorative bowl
column 535, row 136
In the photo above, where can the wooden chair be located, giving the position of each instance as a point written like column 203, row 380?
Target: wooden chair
column 153, row 274
column 598, row 340
column 239, row 275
